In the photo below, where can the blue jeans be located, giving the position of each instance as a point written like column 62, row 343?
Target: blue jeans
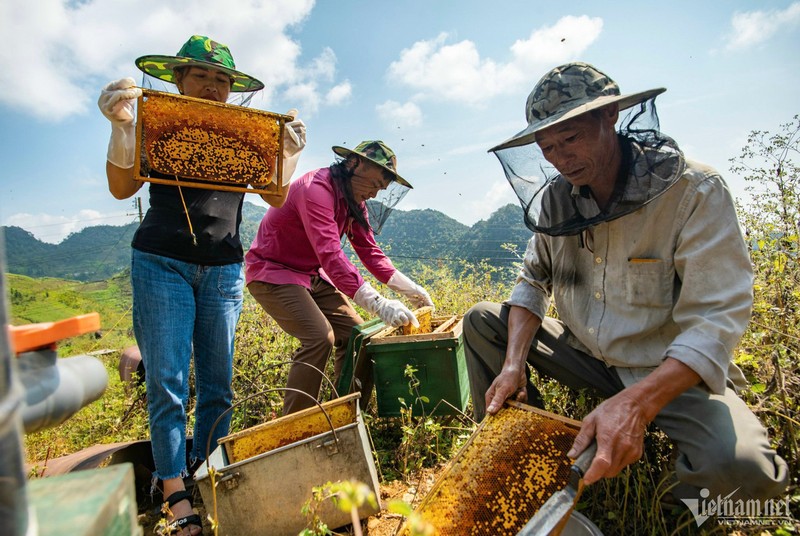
column 182, row 310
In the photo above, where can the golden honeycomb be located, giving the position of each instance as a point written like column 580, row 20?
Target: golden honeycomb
column 290, row 428
column 430, row 327
column 510, row 466
column 215, row 142
column 423, row 315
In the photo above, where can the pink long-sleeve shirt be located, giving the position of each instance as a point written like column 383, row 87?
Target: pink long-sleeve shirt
column 303, row 239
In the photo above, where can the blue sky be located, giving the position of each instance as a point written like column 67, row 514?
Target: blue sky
column 439, row 81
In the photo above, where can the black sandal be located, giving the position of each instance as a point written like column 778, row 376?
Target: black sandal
column 183, row 522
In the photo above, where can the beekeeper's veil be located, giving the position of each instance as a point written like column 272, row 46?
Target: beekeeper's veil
column 552, row 205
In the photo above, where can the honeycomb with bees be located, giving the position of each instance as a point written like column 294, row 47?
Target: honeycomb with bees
column 508, row 468
column 213, row 145
column 289, row 429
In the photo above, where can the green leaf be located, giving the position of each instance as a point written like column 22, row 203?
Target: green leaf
column 400, row 507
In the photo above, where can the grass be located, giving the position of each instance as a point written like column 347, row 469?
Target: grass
column 404, row 446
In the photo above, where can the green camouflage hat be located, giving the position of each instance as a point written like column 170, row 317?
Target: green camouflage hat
column 199, row 51
column 377, row 152
column 566, row 92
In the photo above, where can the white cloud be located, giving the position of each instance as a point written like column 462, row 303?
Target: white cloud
column 499, row 195
column 753, row 27
column 323, row 66
column 306, row 97
column 457, row 72
column 453, row 72
column 64, row 50
column 401, row 115
column 54, row 229
column 567, row 39
column 339, row 93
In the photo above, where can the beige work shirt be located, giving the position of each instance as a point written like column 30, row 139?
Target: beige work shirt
column 672, row 279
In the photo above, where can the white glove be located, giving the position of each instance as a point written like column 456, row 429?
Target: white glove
column 117, row 104
column 294, row 139
column 392, row 312
column 418, row 296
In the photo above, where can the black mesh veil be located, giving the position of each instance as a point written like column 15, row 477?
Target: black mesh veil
column 239, row 98
column 652, row 162
column 378, row 209
column 382, row 206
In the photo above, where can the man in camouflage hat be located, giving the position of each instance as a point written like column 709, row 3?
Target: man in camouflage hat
column 642, row 253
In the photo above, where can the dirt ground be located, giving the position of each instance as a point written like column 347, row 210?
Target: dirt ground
column 383, row 524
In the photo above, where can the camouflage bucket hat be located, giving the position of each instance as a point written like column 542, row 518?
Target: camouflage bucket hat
column 569, row 91
column 199, row 51
column 376, row 152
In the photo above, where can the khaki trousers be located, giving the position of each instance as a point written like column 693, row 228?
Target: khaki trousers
column 322, row 319
column 721, row 444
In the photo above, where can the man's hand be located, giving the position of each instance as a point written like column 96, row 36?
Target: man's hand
column 618, row 425
column 509, row 383
column 512, row 380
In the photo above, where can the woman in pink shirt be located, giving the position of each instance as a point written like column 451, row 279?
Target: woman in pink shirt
column 296, row 268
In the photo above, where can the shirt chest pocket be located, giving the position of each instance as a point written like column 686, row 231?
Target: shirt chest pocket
column 649, row 283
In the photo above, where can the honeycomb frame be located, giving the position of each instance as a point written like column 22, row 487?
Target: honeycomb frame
column 506, row 471
column 207, row 144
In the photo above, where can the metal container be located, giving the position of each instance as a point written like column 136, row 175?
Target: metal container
column 265, row 493
column 13, row 497
column 580, row 525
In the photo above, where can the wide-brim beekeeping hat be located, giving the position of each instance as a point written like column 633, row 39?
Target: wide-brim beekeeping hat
column 376, row 152
column 569, row 91
column 199, row 51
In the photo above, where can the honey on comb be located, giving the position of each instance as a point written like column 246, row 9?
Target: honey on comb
column 214, row 142
column 510, row 466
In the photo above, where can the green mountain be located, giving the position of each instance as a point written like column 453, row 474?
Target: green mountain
column 408, row 237
column 92, row 254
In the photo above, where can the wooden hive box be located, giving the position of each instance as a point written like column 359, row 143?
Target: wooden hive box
column 440, row 369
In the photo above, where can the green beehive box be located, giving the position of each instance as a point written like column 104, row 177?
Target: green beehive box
column 356, row 362
column 441, row 370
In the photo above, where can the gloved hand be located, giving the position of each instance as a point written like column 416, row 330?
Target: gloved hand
column 418, row 296
column 392, row 312
column 294, row 139
column 117, row 104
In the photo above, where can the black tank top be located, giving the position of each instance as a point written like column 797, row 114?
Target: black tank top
column 215, row 217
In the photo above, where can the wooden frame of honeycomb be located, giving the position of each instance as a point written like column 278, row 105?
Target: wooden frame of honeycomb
column 207, row 144
column 289, row 429
column 429, row 325
column 504, row 473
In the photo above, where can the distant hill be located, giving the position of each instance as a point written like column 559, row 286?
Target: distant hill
column 92, row 254
column 409, row 237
